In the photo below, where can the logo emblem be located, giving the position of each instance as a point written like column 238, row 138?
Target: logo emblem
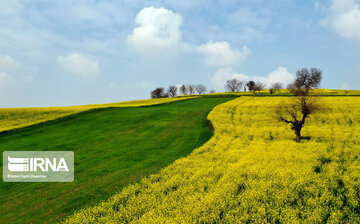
column 38, row 166
column 18, row 164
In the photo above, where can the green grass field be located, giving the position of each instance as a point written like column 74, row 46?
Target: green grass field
column 113, row 147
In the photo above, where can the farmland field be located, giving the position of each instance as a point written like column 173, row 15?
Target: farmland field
column 236, row 112
column 113, row 147
column 252, row 171
column 12, row 118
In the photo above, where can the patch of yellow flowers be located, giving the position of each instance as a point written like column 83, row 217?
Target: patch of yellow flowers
column 252, row 171
column 12, row 118
column 325, row 92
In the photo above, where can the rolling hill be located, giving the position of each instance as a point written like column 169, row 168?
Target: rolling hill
column 113, row 147
column 150, row 164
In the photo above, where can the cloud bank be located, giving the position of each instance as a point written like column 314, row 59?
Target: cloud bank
column 344, row 18
column 159, row 33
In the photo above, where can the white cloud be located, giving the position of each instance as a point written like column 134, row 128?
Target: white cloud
column 222, row 75
column 344, row 18
column 220, row 53
column 8, row 63
column 281, row 74
column 158, row 31
column 79, row 64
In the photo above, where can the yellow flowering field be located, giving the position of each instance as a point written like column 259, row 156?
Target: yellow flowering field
column 252, row 171
column 325, row 92
column 11, row 118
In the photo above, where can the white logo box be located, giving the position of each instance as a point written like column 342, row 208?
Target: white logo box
column 38, row 166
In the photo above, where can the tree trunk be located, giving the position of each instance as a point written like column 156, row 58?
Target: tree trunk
column 298, row 135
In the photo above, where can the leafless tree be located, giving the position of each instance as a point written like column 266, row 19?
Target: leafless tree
column 191, row 89
column 183, row 90
column 172, row 91
column 305, row 81
column 259, row 86
column 302, row 104
column 297, row 111
column 275, row 87
column 158, row 93
column 233, row 85
column 212, row 91
column 200, row 88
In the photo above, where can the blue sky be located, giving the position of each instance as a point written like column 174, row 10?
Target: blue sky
column 80, row 52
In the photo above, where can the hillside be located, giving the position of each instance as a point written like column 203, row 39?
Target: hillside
column 113, row 147
column 252, row 171
column 13, row 118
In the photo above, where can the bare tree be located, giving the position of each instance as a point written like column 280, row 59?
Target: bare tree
column 258, row 87
column 305, row 81
column 191, row 89
column 172, row 91
column 158, row 93
column 250, row 85
column 297, row 111
column 183, row 90
column 212, row 91
column 233, row 85
column 302, row 104
column 200, row 88
column 275, row 87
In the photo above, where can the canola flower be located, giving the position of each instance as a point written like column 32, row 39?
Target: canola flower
column 252, row 171
column 12, row 118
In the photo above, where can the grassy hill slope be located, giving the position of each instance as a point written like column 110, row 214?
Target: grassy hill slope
column 113, row 147
column 14, row 118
